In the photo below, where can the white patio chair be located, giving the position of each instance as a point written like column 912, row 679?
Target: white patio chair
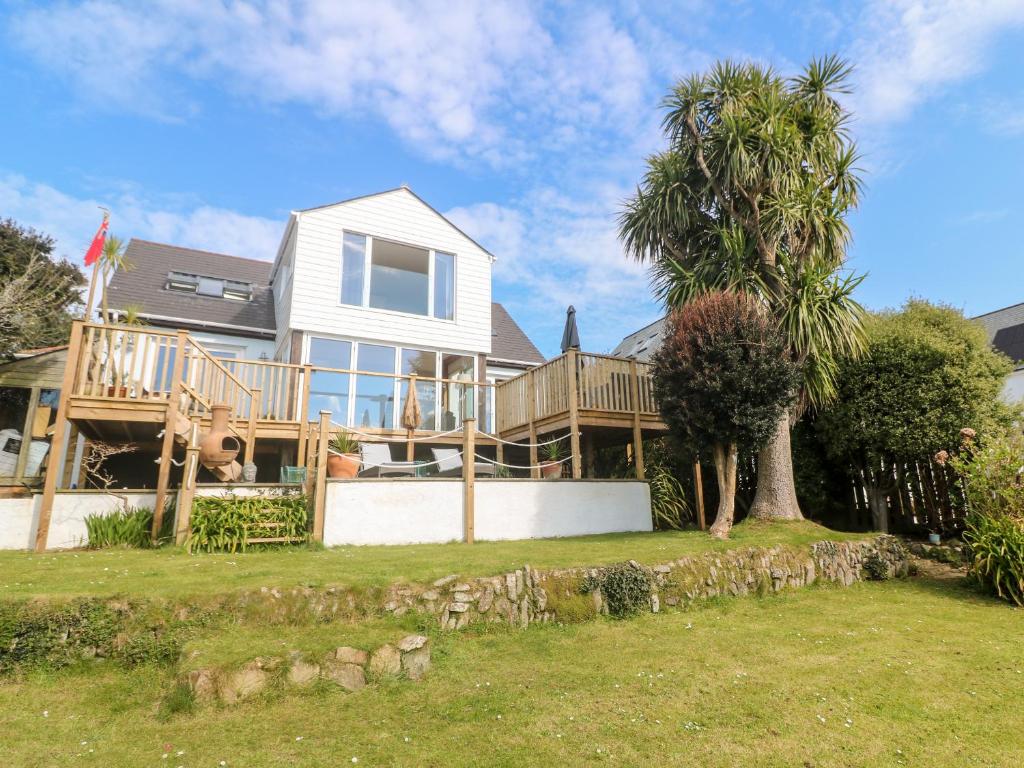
column 377, row 462
column 449, row 464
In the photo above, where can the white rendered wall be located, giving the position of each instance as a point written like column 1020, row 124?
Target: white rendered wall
column 20, row 517
column 1013, row 389
column 430, row 511
column 246, row 348
column 393, row 512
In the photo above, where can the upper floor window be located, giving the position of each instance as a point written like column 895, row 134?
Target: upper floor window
column 403, row 278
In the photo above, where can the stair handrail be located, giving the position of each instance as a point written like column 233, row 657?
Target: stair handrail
column 217, row 363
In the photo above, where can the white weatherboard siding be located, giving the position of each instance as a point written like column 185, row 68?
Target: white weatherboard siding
column 399, row 216
column 430, row 511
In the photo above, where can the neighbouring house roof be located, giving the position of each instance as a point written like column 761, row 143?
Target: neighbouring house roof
column 508, row 342
column 35, row 368
column 641, row 345
column 145, row 285
column 1006, row 331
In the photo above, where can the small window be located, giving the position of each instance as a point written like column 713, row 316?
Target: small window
column 209, row 286
column 237, row 291
column 353, row 260
column 177, row 281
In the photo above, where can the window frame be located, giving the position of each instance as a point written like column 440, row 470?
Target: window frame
column 368, row 277
column 398, row 347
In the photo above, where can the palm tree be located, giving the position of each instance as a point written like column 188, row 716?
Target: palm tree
column 112, row 259
column 752, row 194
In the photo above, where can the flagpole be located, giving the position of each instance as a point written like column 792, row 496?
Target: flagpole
column 92, row 292
column 95, row 253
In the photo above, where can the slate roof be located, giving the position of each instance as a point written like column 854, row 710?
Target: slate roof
column 144, row 285
column 1006, row 331
column 641, row 345
column 508, row 342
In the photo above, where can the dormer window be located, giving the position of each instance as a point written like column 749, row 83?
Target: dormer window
column 216, row 287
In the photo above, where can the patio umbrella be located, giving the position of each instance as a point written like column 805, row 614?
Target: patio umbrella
column 411, row 415
column 571, row 334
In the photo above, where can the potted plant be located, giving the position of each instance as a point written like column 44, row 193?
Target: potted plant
column 343, row 456
column 553, row 452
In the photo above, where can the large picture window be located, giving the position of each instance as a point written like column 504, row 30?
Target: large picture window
column 397, row 277
column 363, row 400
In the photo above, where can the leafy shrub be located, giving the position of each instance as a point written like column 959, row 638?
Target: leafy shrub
column 126, row 527
column 227, row 523
column 875, row 567
column 997, row 553
column 668, row 499
column 992, row 473
column 626, row 588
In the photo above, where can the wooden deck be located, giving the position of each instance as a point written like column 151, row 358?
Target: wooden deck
column 131, row 384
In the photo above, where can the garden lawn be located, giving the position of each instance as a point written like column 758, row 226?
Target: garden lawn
column 885, row 674
column 171, row 572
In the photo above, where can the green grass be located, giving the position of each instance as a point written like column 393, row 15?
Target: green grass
column 883, row 674
column 173, row 573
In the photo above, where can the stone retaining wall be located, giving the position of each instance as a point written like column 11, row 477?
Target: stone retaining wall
column 526, row 596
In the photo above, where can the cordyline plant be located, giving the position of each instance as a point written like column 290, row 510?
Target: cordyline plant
column 722, row 377
column 752, row 194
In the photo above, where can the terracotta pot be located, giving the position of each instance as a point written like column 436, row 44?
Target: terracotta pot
column 219, row 447
column 117, row 391
column 550, row 469
column 343, row 465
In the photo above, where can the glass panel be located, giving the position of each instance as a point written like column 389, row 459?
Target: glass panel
column 210, row 286
column 456, row 399
column 444, row 286
column 375, row 395
column 329, row 391
column 422, row 363
column 399, row 277
column 353, row 260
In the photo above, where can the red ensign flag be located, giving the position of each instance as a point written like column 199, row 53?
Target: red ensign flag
column 97, row 243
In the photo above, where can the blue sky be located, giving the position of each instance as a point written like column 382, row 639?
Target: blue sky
column 204, row 123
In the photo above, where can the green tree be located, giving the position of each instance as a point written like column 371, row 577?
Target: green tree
column 927, row 373
column 752, row 194
column 722, row 377
column 38, row 294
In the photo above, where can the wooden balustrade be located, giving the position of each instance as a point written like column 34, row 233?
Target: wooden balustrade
column 128, row 363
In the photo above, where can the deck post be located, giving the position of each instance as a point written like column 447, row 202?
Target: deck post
column 698, row 484
column 469, row 478
column 167, row 448
column 187, row 492
column 26, row 435
column 638, row 437
column 55, row 466
column 319, row 495
column 250, row 433
column 531, row 409
column 307, row 374
column 588, row 455
column 574, row 413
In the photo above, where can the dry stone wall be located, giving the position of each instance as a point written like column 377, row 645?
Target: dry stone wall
column 527, row 596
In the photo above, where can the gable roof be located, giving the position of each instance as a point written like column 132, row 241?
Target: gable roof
column 402, row 188
column 1006, row 331
column 144, row 284
column 641, row 345
column 508, row 341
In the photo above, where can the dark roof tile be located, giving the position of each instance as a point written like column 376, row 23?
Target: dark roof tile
column 508, row 342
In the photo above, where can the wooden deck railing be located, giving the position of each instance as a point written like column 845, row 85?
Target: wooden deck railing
column 602, row 383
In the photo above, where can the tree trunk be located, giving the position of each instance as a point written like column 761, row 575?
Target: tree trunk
column 725, row 468
column 775, row 498
column 879, row 502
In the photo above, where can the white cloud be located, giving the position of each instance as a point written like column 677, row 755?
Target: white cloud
column 72, row 220
column 908, row 50
column 554, row 251
column 497, row 80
